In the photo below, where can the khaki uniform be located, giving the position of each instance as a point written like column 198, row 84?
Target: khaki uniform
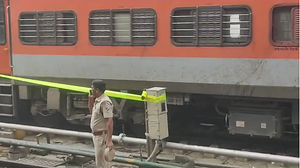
column 103, row 108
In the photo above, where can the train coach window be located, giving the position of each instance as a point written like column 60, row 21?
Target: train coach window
column 128, row 27
column 211, row 26
column 48, row 28
column 285, row 26
column 2, row 24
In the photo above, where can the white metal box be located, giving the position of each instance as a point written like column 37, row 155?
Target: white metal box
column 158, row 126
column 157, row 107
column 157, row 115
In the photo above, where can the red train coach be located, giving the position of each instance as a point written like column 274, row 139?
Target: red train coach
column 217, row 58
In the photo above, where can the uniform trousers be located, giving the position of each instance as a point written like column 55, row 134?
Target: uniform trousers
column 100, row 145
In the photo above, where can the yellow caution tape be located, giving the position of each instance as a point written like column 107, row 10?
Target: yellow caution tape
column 143, row 97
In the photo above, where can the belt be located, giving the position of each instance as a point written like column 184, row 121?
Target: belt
column 99, row 133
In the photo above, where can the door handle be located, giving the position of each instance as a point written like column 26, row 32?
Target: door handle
column 9, row 37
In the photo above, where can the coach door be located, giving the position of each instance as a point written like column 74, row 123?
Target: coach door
column 6, row 87
column 5, row 67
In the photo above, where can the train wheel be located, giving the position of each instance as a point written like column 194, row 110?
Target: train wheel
column 46, row 118
column 52, row 120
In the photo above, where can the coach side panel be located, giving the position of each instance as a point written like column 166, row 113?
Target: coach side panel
column 260, row 63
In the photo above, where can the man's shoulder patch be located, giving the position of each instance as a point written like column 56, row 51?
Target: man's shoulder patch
column 108, row 107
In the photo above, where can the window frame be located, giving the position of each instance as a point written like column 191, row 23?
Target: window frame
column 222, row 44
column 291, row 43
column 37, row 43
column 114, row 43
column 3, row 24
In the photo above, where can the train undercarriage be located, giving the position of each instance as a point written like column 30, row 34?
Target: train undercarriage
column 188, row 114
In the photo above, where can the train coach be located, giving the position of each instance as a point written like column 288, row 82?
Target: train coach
column 228, row 65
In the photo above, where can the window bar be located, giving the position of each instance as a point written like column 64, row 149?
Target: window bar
column 250, row 26
column 55, row 29
column 155, row 27
column 37, row 28
column 131, row 27
column 221, row 25
column 75, row 28
column 111, row 27
column 197, row 26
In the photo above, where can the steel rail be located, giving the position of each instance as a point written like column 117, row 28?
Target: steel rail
column 83, row 152
column 122, row 138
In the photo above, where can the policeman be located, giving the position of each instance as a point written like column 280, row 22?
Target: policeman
column 101, row 108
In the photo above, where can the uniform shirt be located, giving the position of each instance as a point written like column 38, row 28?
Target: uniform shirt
column 103, row 108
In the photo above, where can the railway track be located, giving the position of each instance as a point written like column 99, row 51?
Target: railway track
column 133, row 151
column 13, row 164
column 262, row 145
column 289, row 146
column 241, row 143
column 58, row 159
